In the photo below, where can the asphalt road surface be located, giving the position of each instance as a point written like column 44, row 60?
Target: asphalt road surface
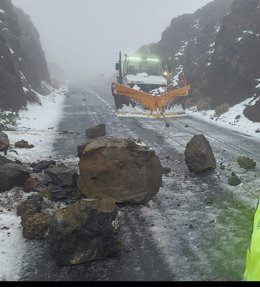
column 197, row 228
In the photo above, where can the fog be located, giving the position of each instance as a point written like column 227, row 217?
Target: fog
column 84, row 36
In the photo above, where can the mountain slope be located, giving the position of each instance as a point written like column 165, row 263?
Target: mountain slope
column 22, row 62
column 218, row 50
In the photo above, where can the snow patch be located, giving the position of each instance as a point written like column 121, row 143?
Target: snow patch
column 12, row 52
column 181, row 51
column 12, row 246
column 217, row 28
column 248, row 32
column 2, row 11
column 197, row 23
column 229, row 120
column 38, row 125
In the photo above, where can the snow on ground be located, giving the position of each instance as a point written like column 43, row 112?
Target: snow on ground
column 38, row 125
column 228, row 119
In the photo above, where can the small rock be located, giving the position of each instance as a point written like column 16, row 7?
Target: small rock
column 234, row 180
column 166, row 170
column 246, row 162
column 23, row 144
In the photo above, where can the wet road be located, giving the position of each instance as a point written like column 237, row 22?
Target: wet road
column 195, row 228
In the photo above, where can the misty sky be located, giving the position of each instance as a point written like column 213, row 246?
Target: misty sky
column 85, row 36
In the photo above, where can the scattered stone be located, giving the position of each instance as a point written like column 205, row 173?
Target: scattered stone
column 4, row 142
column 199, row 156
column 42, row 165
column 246, row 162
column 12, row 174
column 56, row 193
column 84, row 231
column 237, row 117
column 23, row 144
column 222, row 166
column 33, row 204
column 191, row 226
column 257, row 131
column 97, row 131
column 123, row 169
column 31, row 184
column 61, row 175
column 234, row 180
column 167, row 125
column 210, row 200
column 187, row 126
column 166, row 170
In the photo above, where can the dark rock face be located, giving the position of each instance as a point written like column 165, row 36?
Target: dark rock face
column 199, row 156
column 83, row 232
column 97, row 131
column 11, row 175
column 218, row 49
column 35, row 66
column 122, row 169
column 22, row 62
column 4, row 142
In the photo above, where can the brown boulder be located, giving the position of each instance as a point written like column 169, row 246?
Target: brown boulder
column 84, row 231
column 198, row 155
column 35, row 225
column 31, row 184
column 4, row 142
column 122, row 169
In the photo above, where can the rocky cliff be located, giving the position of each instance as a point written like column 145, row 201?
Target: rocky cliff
column 22, row 61
column 218, row 49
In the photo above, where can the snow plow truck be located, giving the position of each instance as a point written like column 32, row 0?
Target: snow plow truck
column 142, row 88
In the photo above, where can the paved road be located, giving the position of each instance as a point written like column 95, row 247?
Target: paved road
column 195, row 228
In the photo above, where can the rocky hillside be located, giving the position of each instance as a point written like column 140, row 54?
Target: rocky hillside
column 218, row 49
column 22, row 61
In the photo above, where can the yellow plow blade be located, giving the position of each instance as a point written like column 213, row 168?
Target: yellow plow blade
column 151, row 102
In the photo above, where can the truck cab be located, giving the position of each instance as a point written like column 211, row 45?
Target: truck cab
column 141, row 72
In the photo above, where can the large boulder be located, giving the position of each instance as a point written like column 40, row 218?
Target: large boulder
column 4, row 142
column 11, row 175
column 84, row 231
column 123, row 169
column 199, row 156
column 97, row 131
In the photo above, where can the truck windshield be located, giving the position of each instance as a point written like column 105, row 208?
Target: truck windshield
column 149, row 67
